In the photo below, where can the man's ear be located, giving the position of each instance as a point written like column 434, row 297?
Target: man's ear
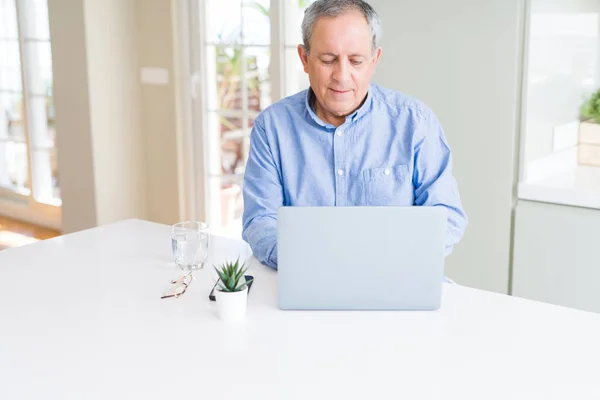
column 377, row 55
column 303, row 54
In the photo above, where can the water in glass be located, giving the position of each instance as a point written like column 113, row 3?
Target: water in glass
column 190, row 245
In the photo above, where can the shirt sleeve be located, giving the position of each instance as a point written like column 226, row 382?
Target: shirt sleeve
column 434, row 184
column 263, row 195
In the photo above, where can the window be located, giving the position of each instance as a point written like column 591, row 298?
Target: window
column 249, row 61
column 561, row 69
column 28, row 159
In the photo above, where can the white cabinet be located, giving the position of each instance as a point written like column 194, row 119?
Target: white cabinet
column 557, row 255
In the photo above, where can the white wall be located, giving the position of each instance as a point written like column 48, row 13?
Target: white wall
column 72, row 104
column 115, row 104
column 116, row 140
column 461, row 57
column 562, row 68
column 155, row 33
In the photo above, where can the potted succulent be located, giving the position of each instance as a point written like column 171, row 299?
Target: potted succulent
column 589, row 131
column 232, row 291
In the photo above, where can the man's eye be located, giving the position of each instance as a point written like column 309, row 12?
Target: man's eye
column 356, row 62
column 328, row 62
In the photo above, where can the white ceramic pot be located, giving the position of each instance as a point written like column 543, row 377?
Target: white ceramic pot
column 589, row 144
column 232, row 305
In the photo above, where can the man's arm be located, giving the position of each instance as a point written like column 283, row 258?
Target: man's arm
column 263, row 195
column 433, row 180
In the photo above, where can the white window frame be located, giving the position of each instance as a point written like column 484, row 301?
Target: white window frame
column 195, row 173
column 13, row 204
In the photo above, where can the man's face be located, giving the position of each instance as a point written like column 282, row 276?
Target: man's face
column 340, row 64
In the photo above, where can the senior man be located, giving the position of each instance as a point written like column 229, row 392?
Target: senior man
column 345, row 141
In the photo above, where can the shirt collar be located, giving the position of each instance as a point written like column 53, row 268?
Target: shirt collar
column 362, row 110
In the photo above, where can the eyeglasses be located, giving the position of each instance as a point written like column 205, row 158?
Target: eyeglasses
column 179, row 286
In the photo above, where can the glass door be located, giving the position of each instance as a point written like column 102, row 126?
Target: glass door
column 249, row 61
column 28, row 157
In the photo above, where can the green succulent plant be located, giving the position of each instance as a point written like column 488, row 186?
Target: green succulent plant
column 591, row 108
column 230, row 274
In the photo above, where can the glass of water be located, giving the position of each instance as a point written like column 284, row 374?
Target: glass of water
column 190, row 244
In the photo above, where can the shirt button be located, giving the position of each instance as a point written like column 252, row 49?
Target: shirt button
column 339, row 133
column 387, row 171
column 340, row 172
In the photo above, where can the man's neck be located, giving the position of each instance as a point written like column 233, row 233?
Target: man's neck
column 334, row 120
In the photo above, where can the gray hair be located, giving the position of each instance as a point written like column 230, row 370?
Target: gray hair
column 335, row 8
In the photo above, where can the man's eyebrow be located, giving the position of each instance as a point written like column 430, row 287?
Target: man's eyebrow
column 327, row 54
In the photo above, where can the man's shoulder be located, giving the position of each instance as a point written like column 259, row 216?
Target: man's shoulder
column 395, row 102
column 284, row 108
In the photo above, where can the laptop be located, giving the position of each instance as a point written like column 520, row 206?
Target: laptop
column 360, row 258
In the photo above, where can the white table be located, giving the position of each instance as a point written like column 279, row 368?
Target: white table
column 81, row 318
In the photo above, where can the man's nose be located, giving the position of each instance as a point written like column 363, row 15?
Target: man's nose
column 341, row 72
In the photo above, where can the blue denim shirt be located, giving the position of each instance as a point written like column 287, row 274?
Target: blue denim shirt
column 391, row 151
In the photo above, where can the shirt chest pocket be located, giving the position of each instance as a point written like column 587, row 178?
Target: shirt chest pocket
column 388, row 186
